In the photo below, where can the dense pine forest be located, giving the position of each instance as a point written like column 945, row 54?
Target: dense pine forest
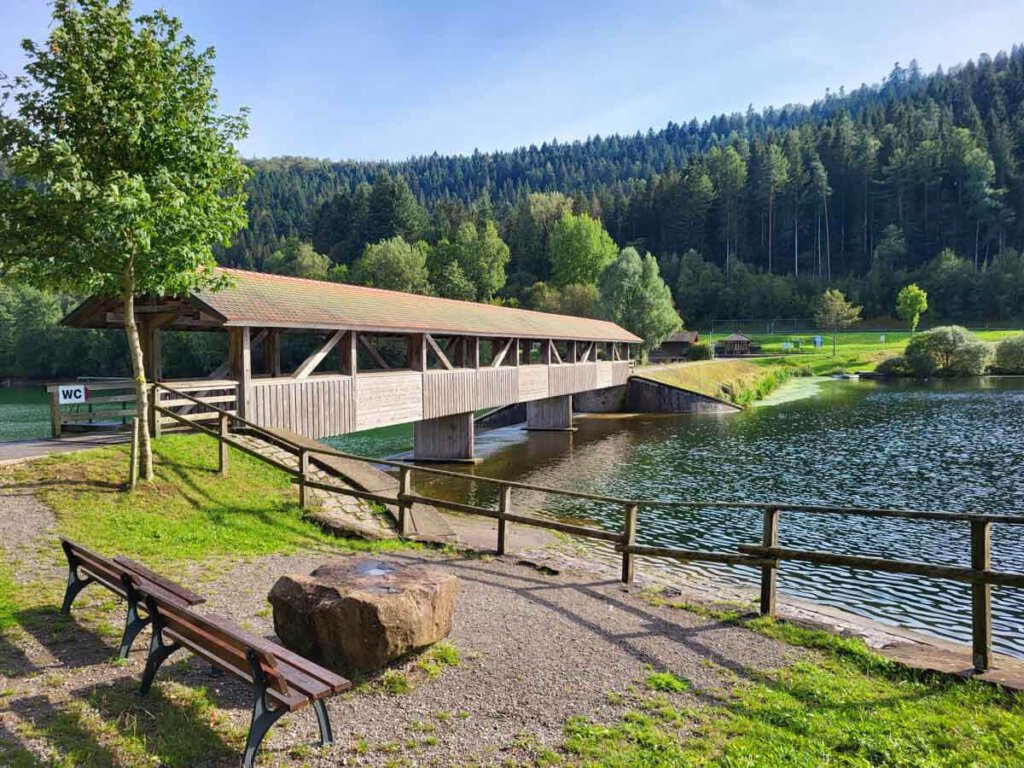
column 919, row 178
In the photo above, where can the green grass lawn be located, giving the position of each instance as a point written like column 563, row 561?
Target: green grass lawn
column 855, row 350
column 743, row 381
column 847, row 707
column 188, row 513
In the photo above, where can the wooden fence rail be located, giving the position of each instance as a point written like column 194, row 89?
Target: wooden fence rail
column 765, row 555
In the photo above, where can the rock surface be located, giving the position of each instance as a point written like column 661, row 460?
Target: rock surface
column 359, row 613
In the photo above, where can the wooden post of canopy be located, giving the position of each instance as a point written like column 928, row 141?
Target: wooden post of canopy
column 272, row 349
column 349, row 353
column 240, row 366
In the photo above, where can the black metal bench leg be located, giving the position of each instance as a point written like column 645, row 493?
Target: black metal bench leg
column 263, row 717
column 326, row 737
column 158, row 650
column 75, row 583
column 133, row 623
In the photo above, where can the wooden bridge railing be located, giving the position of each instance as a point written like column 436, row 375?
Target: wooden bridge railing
column 765, row 555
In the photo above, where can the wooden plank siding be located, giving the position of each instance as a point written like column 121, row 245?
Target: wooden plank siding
column 448, row 392
column 334, row 404
column 393, row 397
column 533, row 382
column 316, row 406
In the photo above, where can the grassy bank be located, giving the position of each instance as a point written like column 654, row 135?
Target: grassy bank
column 844, row 706
column 188, row 513
column 855, row 350
column 736, row 381
column 743, row 381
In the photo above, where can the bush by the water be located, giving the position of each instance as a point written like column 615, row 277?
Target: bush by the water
column 1010, row 355
column 950, row 350
column 700, row 351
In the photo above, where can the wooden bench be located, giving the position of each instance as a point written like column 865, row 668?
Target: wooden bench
column 282, row 681
column 85, row 567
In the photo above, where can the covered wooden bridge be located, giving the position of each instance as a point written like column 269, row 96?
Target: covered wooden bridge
column 373, row 358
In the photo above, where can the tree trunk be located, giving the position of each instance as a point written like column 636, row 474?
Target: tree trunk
column 796, row 240
column 771, row 227
column 145, row 455
column 828, row 239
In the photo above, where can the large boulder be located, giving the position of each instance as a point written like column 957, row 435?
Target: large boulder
column 359, row 613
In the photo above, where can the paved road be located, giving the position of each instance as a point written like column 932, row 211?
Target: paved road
column 19, row 450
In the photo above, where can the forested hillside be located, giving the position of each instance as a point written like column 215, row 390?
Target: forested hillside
column 919, row 178
column 804, row 192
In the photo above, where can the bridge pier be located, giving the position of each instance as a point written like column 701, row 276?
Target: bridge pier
column 552, row 414
column 444, row 439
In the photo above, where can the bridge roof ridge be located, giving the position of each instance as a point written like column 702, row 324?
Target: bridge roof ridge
column 264, row 299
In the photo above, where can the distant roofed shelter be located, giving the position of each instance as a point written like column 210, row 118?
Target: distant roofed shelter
column 736, row 345
column 675, row 347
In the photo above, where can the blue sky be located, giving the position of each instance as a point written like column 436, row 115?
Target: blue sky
column 386, row 80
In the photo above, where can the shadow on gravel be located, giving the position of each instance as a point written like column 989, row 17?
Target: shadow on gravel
column 14, row 662
column 64, row 731
column 12, row 752
column 72, row 643
column 177, row 725
column 571, row 599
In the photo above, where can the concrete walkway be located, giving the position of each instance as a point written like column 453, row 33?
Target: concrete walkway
column 19, row 450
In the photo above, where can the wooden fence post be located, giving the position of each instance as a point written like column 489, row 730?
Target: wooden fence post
column 404, row 489
column 55, row 425
column 628, row 540
column 504, row 506
column 981, row 595
column 154, row 414
column 769, row 574
column 303, row 469
column 133, row 472
column 222, row 466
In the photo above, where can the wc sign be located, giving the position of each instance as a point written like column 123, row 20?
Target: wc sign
column 69, row 394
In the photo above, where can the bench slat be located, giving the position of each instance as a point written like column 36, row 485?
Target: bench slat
column 291, row 702
column 335, row 682
column 186, row 595
column 200, row 632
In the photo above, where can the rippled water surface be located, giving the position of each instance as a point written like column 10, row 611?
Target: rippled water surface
column 946, row 446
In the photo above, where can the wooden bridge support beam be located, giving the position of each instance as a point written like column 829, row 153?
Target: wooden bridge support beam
column 552, row 414
column 445, row 439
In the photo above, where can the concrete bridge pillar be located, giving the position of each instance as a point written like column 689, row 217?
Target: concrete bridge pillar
column 550, row 414
column 448, row 438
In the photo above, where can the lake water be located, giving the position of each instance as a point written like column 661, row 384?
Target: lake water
column 24, row 413
column 950, row 446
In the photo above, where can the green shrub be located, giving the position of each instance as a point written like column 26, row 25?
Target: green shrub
column 894, row 366
column 1010, row 355
column 700, row 351
column 950, row 350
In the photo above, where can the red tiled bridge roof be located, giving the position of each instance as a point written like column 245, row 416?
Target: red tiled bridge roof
column 277, row 301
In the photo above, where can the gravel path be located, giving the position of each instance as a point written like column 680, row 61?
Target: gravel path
column 537, row 648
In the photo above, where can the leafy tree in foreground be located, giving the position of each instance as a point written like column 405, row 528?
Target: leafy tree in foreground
column 129, row 174
column 835, row 312
column 634, row 296
column 580, row 249
column 393, row 264
column 910, row 304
